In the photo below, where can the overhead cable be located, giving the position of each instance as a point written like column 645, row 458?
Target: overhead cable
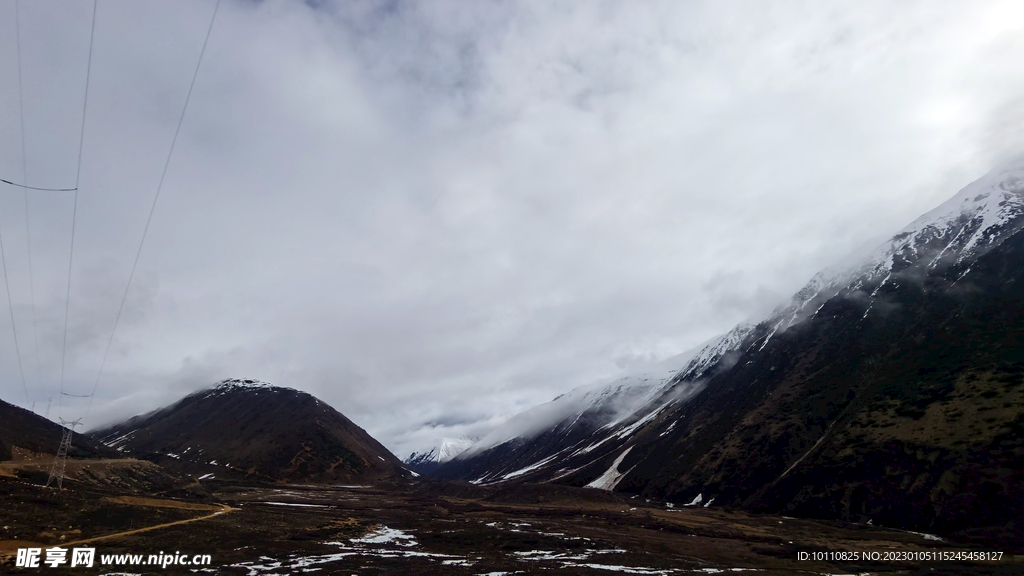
column 24, row 178
column 74, row 210
column 152, row 208
column 3, row 256
column 14, row 328
column 75, row 189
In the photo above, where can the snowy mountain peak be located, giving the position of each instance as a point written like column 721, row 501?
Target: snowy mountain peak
column 231, row 385
column 444, row 451
column 243, row 383
column 980, row 216
column 450, row 448
column 969, row 221
column 977, row 218
column 992, row 200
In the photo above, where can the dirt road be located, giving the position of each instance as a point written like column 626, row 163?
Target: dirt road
column 9, row 547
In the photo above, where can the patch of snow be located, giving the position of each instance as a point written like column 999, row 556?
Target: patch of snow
column 529, row 468
column 926, row 536
column 592, row 446
column 669, row 429
column 626, row 569
column 117, row 442
column 384, row 534
column 611, row 477
column 628, row 430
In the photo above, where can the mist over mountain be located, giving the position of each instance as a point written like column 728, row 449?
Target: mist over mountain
column 251, row 429
column 888, row 390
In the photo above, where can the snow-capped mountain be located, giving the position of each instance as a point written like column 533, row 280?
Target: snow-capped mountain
column 883, row 389
column 979, row 217
column 243, row 428
column 445, row 450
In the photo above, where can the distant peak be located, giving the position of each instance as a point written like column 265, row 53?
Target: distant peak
column 445, row 450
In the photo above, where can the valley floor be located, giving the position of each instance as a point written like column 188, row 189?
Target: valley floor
column 443, row 529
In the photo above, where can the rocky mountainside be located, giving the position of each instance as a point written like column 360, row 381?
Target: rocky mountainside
column 251, row 429
column 889, row 389
column 22, row 429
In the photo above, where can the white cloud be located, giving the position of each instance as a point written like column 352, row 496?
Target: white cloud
column 434, row 215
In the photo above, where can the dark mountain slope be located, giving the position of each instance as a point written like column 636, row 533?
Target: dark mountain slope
column 22, row 428
column 890, row 390
column 911, row 416
column 244, row 428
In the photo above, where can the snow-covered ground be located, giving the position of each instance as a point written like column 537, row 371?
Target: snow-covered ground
column 392, row 543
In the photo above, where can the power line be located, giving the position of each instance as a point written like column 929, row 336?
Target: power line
column 14, row 328
column 74, row 210
column 24, row 177
column 152, row 208
column 85, row 100
column 75, row 189
column 3, row 255
column 77, row 395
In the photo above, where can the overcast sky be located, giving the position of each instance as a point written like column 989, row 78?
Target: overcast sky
column 435, row 214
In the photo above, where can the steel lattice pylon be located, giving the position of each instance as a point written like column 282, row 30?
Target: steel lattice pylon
column 61, row 459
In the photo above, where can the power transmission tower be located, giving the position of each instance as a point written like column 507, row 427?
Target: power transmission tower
column 61, row 459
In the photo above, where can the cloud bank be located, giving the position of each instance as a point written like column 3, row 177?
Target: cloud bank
column 434, row 215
